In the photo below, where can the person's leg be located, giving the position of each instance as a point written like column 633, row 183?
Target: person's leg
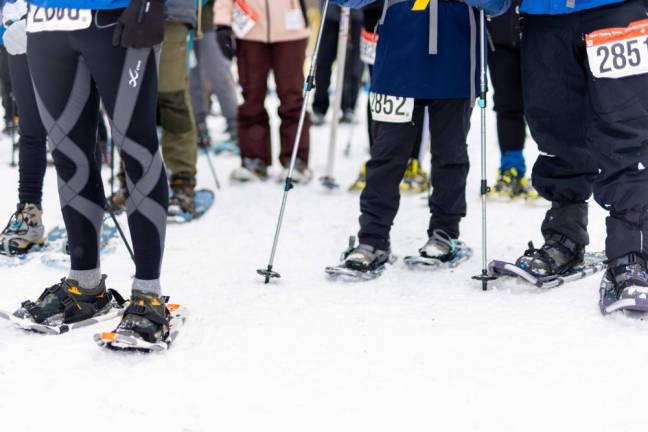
column 253, row 122
column 7, row 91
column 218, row 70
column 617, row 134
column 556, row 106
column 179, row 146
column 69, row 111
column 287, row 64
column 505, row 72
column 131, row 106
column 449, row 126
column 380, row 198
column 32, row 151
column 326, row 58
column 353, row 69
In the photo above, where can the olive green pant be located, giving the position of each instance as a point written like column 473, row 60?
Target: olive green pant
column 179, row 140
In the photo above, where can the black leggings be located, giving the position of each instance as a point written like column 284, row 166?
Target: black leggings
column 33, row 138
column 71, row 71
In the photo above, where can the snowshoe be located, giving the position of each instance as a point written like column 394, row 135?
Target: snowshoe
column 203, row 201
column 440, row 251
column 24, row 232
column 149, row 324
column 361, row 181
column 415, row 179
column 591, row 264
column 362, row 262
column 557, row 256
column 227, row 146
column 65, row 306
column 510, row 185
column 624, row 286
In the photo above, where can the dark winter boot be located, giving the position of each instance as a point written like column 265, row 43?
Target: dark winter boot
column 24, row 230
column 147, row 317
column 66, row 303
column 365, row 258
column 557, row 256
column 625, row 285
column 182, row 200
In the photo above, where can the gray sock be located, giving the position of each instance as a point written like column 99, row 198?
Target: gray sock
column 87, row 279
column 147, row 286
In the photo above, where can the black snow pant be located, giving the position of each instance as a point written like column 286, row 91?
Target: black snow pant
column 393, row 142
column 506, row 77
column 32, row 150
column 352, row 70
column 71, row 71
column 592, row 133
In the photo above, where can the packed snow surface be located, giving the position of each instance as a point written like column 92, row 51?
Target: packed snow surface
column 412, row 351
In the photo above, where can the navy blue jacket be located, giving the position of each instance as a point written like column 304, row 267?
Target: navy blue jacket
column 428, row 51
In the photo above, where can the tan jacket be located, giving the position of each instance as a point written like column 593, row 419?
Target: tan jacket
column 271, row 25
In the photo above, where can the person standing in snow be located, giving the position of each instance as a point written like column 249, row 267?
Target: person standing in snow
column 267, row 38
column 78, row 54
column 584, row 67
column 440, row 50
column 506, row 77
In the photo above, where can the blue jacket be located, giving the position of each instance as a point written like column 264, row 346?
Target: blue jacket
column 558, row 7
column 82, row 4
column 428, row 49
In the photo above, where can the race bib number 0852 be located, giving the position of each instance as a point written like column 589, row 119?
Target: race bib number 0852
column 619, row 52
column 57, row 19
column 391, row 109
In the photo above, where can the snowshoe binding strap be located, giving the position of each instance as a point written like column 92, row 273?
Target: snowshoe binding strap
column 147, row 316
column 67, row 299
column 628, row 270
column 444, row 241
column 559, row 254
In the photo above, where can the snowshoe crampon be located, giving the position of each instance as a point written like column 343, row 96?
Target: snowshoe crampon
column 131, row 341
column 594, row 262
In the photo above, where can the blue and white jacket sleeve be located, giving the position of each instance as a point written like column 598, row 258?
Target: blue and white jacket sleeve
column 492, row 7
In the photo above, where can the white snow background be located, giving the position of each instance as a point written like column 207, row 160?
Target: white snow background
column 412, row 351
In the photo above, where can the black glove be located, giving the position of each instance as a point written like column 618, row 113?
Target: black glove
column 141, row 25
column 225, row 39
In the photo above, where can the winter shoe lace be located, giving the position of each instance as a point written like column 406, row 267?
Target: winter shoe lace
column 24, row 230
column 557, row 256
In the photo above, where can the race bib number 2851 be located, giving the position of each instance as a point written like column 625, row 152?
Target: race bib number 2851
column 391, row 109
column 57, row 19
column 619, row 52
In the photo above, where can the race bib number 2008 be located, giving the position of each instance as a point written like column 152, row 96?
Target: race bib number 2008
column 41, row 19
column 619, row 52
column 391, row 109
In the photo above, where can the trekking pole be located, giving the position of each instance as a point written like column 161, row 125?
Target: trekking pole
column 343, row 39
column 309, row 85
column 484, row 277
column 13, row 130
column 211, row 166
column 119, row 230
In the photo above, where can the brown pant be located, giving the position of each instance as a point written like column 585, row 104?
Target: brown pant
column 286, row 60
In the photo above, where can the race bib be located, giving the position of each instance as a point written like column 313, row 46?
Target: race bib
column 41, row 19
column 391, row 109
column 619, row 52
column 368, row 44
column 295, row 20
column 244, row 18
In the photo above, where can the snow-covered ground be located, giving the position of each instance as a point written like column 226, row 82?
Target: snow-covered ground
column 408, row 352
